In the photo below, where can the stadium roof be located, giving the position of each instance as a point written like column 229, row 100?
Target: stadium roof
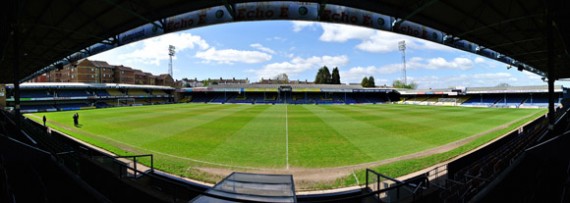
column 485, row 90
column 294, row 88
column 45, row 32
column 275, row 86
column 59, row 85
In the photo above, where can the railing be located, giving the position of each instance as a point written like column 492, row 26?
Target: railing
column 393, row 190
column 126, row 166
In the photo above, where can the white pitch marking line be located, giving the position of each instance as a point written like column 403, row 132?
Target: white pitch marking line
column 286, row 138
column 355, row 178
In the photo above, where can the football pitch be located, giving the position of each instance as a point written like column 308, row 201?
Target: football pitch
column 283, row 137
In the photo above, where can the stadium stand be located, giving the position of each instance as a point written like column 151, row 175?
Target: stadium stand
column 71, row 106
column 73, row 93
column 36, row 94
column 201, row 97
column 138, row 92
column 75, row 96
column 462, row 99
column 36, row 108
column 115, row 92
column 503, row 97
column 159, row 92
column 101, row 93
column 102, row 105
column 514, row 100
column 301, row 94
column 483, row 100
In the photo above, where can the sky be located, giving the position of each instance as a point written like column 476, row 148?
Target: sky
column 264, row 49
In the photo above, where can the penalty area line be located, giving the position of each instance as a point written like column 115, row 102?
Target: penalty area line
column 286, row 138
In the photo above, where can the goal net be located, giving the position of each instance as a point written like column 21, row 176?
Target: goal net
column 126, row 101
column 448, row 101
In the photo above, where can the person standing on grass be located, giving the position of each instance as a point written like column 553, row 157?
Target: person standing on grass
column 75, row 119
column 44, row 119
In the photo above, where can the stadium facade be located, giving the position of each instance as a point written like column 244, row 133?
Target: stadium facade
column 40, row 97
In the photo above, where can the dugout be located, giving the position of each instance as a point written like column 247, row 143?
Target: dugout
column 251, row 187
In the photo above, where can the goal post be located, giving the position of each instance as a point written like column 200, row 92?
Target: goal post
column 449, row 101
column 125, row 101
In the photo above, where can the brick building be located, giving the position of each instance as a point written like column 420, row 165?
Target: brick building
column 90, row 71
column 124, row 75
column 164, row 80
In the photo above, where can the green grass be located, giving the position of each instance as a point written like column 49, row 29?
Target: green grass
column 184, row 136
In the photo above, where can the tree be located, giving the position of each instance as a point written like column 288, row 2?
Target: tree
column 282, row 78
column 364, row 82
column 371, row 82
column 318, row 78
column 335, row 78
column 504, row 84
column 413, row 85
column 327, row 75
column 323, row 76
column 397, row 84
column 400, row 84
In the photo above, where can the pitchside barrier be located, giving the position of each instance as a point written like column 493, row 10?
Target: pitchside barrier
column 393, row 190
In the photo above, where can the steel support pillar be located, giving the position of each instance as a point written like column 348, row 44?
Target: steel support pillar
column 16, row 70
column 551, row 74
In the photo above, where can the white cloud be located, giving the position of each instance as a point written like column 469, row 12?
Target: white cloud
column 479, row 59
column 300, row 25
column 298, row 65
column 383, row 42
column 342, row 33
column 230, row 56
column 262, row 48
column 276, row 38
column 506, row 76
column 363, row 70
column 355, row 74
column 487, row 63
column 457, row 63
column 474, row 80
column 531, row 76
column 370, row 40
column 152, row 51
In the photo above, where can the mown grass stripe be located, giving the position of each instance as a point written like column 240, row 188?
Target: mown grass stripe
column 261, row 139
column 312, row 143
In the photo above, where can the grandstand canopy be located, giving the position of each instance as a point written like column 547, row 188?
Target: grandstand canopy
column 45, row 32
column 482, row 90
column 252, row 187
column 59, row 85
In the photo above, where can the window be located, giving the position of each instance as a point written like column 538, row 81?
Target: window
column 92, row 69
column 92, row 76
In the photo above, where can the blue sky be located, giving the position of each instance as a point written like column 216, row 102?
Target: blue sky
column 264, row 49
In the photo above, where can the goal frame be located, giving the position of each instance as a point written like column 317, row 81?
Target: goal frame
column 127, row 100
